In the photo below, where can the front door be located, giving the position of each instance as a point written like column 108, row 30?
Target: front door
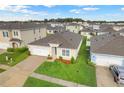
column 54, row 51
column 14, row 45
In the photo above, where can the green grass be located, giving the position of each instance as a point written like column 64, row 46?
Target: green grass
column 1, row 70
column 17, row 56
column 33, row 82
column 80, row 72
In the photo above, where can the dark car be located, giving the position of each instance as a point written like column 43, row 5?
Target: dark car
column 118, row 73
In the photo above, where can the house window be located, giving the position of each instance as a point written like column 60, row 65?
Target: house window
column 5, row 34
column 15, row 33
column 65, row 52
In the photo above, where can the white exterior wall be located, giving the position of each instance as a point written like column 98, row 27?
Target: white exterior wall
column 72, row 53
column 107, row 60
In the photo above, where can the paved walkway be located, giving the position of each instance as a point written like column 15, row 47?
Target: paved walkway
column 104, row 77
column 16, row 76
column 4, row 67
column 56, row 80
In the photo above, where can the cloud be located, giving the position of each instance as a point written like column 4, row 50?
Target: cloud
column 49, row 6
column 19, row 9
column 122, row 8
column 90, row 8
column 76, row 11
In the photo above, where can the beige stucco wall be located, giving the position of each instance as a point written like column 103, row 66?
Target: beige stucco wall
column 1, row 35
column 19, row 34
column 4, row 39
column 28, row 36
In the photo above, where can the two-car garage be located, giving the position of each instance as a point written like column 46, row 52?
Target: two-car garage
column 107, row 60
column 39, row 50
column 4, row 45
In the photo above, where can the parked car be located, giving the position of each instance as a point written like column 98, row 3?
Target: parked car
column 118, row 73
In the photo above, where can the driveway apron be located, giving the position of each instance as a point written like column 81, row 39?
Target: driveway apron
column 16, row 76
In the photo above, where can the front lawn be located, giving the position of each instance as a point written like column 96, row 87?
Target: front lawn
column 1, row 70
column 80, row 72
column 33, row 82
column 14, row 56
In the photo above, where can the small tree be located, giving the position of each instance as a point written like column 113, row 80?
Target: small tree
column 72, row 60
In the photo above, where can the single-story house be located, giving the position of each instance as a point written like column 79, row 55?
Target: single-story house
column 107, row 50
column 62, row 44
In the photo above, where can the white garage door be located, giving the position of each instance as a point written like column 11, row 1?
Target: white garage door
column 108, row 60
column 40, row 51
column 4, row 45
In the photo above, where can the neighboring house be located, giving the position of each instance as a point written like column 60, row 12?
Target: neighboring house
column 118, row 27
column 105, row 30
column 54, row 24
column 20, row 34
column 107, row 50
column 94, row 26
column 53, row 30
column 121, row 32
column 64, row 44
column 74, row 27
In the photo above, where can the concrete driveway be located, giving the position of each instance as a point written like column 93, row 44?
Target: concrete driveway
column 16, row 76
column 104, row 77
column 2, row 51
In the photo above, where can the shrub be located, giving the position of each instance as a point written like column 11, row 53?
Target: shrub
column 23, row 49
column 60, row 57
column 91, row 63
column 72, row 60
column 49, row 57
column 10, row 49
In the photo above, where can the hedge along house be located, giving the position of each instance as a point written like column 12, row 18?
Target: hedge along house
column 20, row 34
column 62, row 44
column 107, row 49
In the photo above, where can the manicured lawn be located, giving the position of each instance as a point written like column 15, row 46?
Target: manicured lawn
column 16, row 56
column 33, row 82
column 1, row 70
column 80, row 72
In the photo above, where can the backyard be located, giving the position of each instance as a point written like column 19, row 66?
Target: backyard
column 33, row 82
column 13, row 56
column 79, row 72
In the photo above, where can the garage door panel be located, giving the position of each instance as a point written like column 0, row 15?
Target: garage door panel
column 40, row 51
column 108, row 60
column 4, row 45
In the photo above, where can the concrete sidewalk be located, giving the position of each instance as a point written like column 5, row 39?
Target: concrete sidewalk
column 56, row 80
column 16, row 75
column 5, row 67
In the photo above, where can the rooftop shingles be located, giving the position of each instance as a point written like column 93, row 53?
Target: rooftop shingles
column 108, row 44
column 65, row 39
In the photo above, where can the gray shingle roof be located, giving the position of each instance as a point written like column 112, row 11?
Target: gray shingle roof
column 65, row 39
column 112, row 44
column 19, row 25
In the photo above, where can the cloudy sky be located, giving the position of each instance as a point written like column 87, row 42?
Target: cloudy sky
column 40, row 12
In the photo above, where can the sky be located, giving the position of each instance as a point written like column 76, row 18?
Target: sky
column 40, row 12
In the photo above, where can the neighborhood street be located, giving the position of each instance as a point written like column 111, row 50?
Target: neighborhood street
column 16, row 76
